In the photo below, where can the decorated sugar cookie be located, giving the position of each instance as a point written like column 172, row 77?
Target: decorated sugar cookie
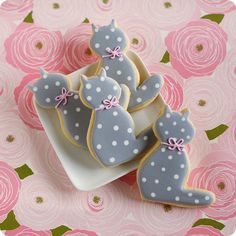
column 111, row 44
column 52, row 91
column 163, row 172
column 111, row 136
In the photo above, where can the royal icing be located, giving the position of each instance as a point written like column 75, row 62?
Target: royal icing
column 163, row 172
column 111, row 44
column 111, row 136
column 52, row 91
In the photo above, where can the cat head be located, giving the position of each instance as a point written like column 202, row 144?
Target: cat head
column 174, row 124
column 96, row 89
column 47, row 88
column 108, row 36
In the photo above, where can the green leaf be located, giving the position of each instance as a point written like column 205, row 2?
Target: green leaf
column 86, row 20
column 10, row 222
column 24, row 171
column 29, row 18
column 214, row 17
column 60, row 230
column 214, row 133
column 206, row 221
column 105, row 1
column 166, row 57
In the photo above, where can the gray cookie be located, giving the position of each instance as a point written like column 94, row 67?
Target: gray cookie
column 111, row 137
column 163, row 172
column 111, row 43
column 52, row 91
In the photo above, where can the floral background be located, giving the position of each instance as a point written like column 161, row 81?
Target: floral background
column 191, row 43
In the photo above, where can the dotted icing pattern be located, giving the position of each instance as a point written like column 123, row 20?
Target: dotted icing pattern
column 112, row 139
column 51, row 91
column 163, row 172
column 110, row 43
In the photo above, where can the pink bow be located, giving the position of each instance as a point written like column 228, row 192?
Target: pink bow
column 174, row 143
column 108, row 104
column 112, row 54
column 63, row 97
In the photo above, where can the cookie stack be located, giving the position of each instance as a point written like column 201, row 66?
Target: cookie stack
column 97, row 117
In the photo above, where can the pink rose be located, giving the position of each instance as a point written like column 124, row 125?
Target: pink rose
column 24, row 100
column 31, row 47
column 203, row 230
column 59, row 15
column 16, row 9
column 9, row 188
column 217, row 173
column 197, row 48
column 130, row 178
column 78, row 54
column 25, row 231
column 216, row 6
column 78, row 232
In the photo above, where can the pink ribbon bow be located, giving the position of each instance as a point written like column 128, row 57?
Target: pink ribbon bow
column 63, row 97
column 112, row 54
column 174, row 143
column 108, row 104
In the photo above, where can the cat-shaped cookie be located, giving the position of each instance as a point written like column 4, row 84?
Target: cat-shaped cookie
column 111, row 44
column 111, row 136
column 52, row 91
column 162, row 174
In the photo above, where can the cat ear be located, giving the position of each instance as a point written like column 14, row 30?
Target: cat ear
column 43, row 72
column 94, row 28
column 168, row 109
column 103, row 73
column 113, row 23
column 185, row 113
column 83, row 79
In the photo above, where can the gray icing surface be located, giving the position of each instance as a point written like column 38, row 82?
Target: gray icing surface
column 112, row 138
column 121, row 68
column 75, row 115
column 162, row 175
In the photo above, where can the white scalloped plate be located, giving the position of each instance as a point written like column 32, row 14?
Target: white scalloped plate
column 83, row 170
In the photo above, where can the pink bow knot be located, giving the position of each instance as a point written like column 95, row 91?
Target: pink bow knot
column 63, row 97
column 108, row 104
column 174, row 143
column 112, row 54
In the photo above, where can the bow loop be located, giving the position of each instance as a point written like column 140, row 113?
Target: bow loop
column 108, row 104
column 63, row 97
column 112, row 54
column 174, row 143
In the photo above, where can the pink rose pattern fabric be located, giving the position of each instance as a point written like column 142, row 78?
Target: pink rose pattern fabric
column 196, row 57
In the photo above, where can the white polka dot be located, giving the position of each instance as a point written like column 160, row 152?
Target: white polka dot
column 114, row 143
column 166, row 132
column 207, row 198
column 188, row 137
column 102, row 78
column 48, row 100
column 119, row 39
column 99, row 146
column 177, row 198
column 96, row 30
column 163, row 149
column 107, row 37
column 115, row 127
column 106, row 67
column 190, row 194
column 183, row 119
column 168, row 188
column 157, row 85
column 182, row 166
column 46, row 86
column 135, row 151
column 89, row 98
column 121, row 59
column 144, row 87
column 76, row 124
column 176, row 176
column 35, row 89
column 153, row 195
column 112, row 159
column 182, row 130
column 126, row 142
column 156, row 181
column 109, row 96
column 129, row 130
column 174, row 123
column 129, row 78
column 98, row 89
column 99, row 126
column 145, row 138
column 57, row 83
column 45, row 76
column 97, row 45
column 163, row 169
column 113, row 29
column 139, row 100
column 115, row 87
column 160, row 124
column 65, row 112
column 144, row 180
column 179, row 153
column 76, row 96
column 118, row 72
column 152, row 163
column 167, row 115
column 114, row 113
column 76, row 137
column 196, row 201
column 88, row 86
column 78, row 109
column 170, row 157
